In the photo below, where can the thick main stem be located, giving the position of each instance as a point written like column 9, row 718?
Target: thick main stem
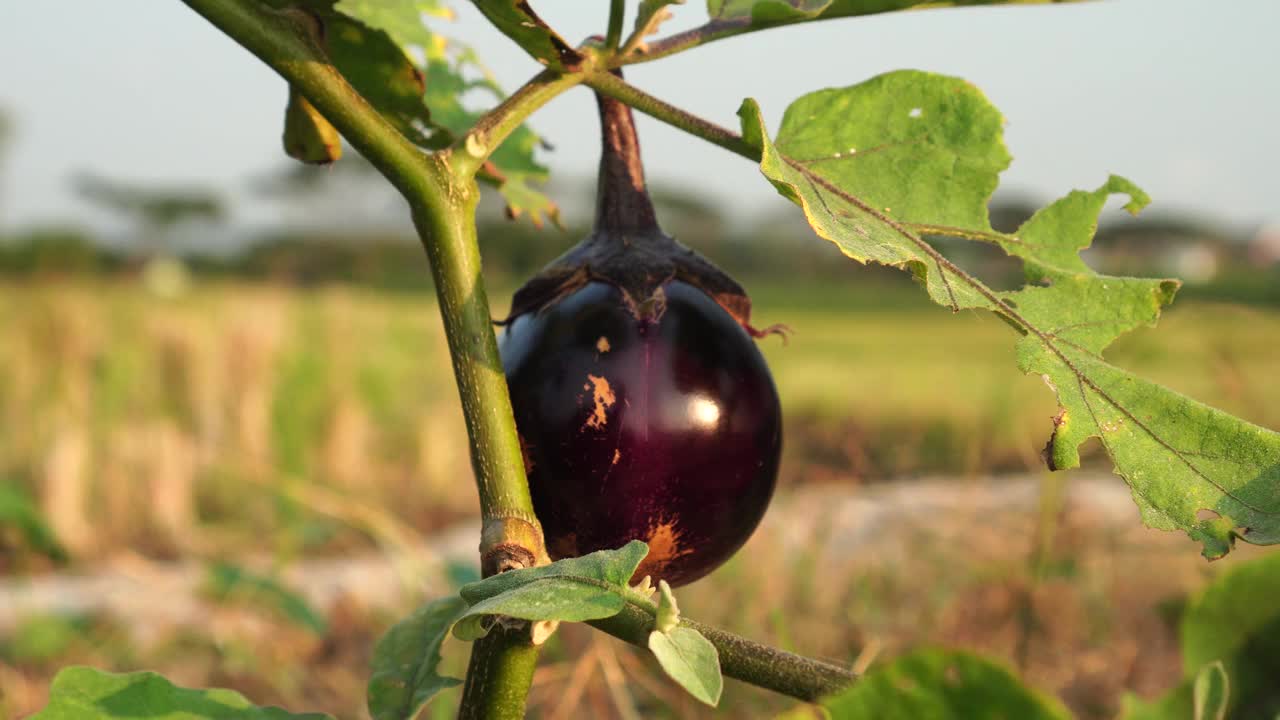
column 501, row 665
column 499, row 676
column 511, row 536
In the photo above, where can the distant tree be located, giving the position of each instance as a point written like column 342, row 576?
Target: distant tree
column 158, row 212
column 6, row 131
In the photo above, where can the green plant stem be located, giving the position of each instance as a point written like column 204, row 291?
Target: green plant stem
column 443, row 207
column 742, row 659
column 615, row 87
column 499, row 676
column 689, row 39
column 617, row 9
column 495, row 126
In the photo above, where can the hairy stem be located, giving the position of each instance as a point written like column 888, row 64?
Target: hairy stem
column 694, row 37
column 499, row 676
column 742, row 659
column 615, row 87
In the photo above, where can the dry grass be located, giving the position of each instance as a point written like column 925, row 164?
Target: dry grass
column 248, row 418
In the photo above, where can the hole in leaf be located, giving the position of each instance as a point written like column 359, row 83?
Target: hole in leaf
column 951, row 675
column 1207, row 514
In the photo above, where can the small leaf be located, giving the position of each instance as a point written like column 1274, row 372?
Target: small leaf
column 691, row 660
column 406, row 661
column 308, row 137
column 668, row 612
column 78, row 693
column 518, row 21
column 17, row 510
column 652, row 13
column 1212, row 692
column 226, row 582
column 940, row 685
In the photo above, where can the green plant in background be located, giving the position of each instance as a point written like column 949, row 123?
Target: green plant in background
column 378, row 76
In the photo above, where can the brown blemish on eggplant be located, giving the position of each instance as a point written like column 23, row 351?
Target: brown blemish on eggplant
column 604, row 399
column 664, row 547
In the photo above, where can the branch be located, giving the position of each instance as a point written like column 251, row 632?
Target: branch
column 615, row 87
column 742, row 659
column 287, row 41
column 617, row 9
column 687, row 40
column 474, row 147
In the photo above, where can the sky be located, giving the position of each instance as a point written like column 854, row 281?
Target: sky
column 1178, row 95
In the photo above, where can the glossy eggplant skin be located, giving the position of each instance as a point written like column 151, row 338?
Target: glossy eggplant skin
column 665, row 429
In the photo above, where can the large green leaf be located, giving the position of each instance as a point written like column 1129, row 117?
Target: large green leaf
column 406, row 661
column 941, row 685
column 880, row 166
column 83, row 693
column 779, row 12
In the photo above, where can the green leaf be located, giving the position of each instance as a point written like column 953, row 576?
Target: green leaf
column 610, row 567
column 1211, row 693
column 406, row 661
column 512, row 167
column 939, row 684
column 916, row 146
column 691, row 660
column 762, row 13
column 1236, row 620
column 879, row 166
column 571, row 599
column 652, row 13
column 402, row 20
column 668, row 616
column 17, row 510
column 231, row 583
column 517, row 21
column 80, row 693
column 590, row 587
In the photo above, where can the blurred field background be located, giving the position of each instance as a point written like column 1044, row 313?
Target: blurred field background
column 287, row 400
